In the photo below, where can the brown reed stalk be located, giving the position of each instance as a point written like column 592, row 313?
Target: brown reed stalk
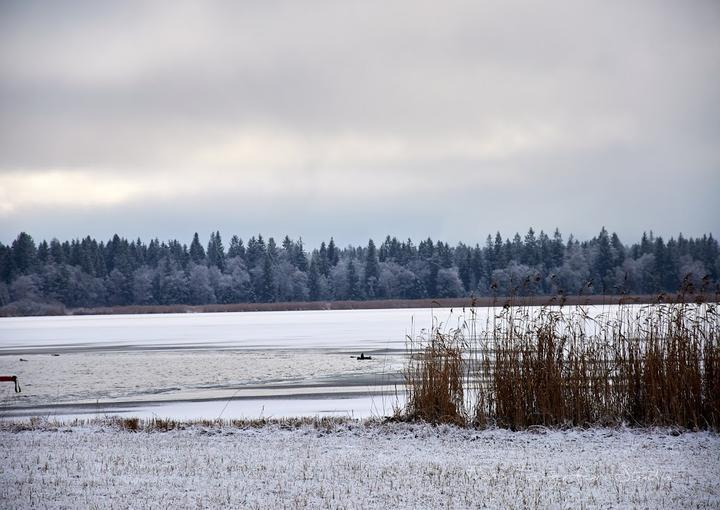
column 561, row 366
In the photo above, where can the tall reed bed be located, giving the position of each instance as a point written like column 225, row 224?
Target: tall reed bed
column 521, row 366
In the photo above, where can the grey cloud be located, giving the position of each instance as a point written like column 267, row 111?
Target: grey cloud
column 625, row 91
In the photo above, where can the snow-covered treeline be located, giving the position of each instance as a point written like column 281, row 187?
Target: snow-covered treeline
column 85, row 272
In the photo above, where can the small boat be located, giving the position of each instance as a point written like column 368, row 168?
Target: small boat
column 363, row 357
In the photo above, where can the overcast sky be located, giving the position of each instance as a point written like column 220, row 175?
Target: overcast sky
column 359, row 119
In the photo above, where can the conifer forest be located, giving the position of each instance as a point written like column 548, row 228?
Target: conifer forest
column 91, row 273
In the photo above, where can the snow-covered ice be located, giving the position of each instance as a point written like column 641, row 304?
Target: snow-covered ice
column 177, row 365
column 357, row 466
column 316, row 329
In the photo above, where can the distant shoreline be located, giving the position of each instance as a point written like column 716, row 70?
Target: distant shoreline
column 482, row 302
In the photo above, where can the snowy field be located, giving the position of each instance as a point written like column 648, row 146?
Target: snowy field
column 357, row 466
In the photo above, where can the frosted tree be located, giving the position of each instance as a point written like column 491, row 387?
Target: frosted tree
column 175, row 288
column 284, row 282
column 200, row 290
column 26, row 287
column 449, row 284
column 574, row 274
column 142, row 286
column 4, row 294
column 118, row 288
column 299, row 285
column 399, row 282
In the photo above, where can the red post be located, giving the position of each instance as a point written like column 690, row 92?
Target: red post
column 12, row 379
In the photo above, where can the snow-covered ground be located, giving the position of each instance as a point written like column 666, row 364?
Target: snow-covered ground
column 355, row 465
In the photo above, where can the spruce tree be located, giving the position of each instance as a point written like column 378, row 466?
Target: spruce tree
column 557, row 249
column 499, row 252
column 353, row 282
column 465, row 269
column 332, row 253
column 237, row 249
column 43, row 252
column 646, row 243
column 56, row 252
column 603, row 260
column 530, row 249
column 426, row 249
column 24, row 254
column 197, row 253
column 6, row 263
column 255, row 251
column 287, row 246
column 431, row 278
column 618, row 250
column 372, row 270
column 478, row 267
column 516, row 249
column 299, row 256
column 489, row 255
column 323, row 260
column 268, row 281
column 384, row 251
column 153, row 252
column 216, row 251
column 314, row 280
column 272, row 249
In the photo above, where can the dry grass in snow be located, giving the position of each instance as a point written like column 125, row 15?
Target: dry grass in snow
column 354, row 465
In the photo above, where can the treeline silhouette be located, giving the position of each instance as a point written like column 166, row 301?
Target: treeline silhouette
column 38, row 278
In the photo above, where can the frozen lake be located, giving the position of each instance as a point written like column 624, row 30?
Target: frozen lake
column 229, row 365
column 215, row 365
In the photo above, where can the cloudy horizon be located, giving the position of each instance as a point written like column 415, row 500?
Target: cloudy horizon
column 324, row 119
